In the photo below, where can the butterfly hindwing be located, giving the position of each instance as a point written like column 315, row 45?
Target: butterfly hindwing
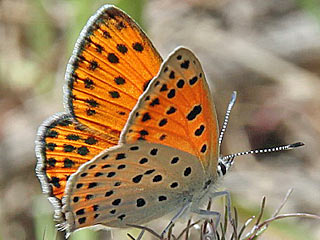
column 131, row 184
column 177, row 110
column 111, row 66
column 61, row 147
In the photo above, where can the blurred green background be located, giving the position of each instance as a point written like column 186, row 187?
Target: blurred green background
column 269, row 51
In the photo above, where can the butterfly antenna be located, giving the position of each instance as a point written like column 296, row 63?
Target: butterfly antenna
column 226, row 117
column 226, row 162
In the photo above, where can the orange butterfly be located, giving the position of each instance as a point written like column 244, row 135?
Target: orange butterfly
column 139, row 139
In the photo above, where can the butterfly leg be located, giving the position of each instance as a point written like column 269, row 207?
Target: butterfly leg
column 210, row 234
column 174, row 219
column 216, row 214
column 227, row 194
column 209, row 213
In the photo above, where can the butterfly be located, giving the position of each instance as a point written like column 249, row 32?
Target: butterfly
column 139, row 137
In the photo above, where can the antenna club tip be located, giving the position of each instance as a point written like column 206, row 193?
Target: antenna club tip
column 297, row 144
column 233, row 97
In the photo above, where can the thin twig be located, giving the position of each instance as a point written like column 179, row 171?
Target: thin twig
column 245, row 225
column 184, row 230
column 130, row 236
column 284, row 201
column 170, row 232
column 282, row 216
column 146, row 229
column 188, row 227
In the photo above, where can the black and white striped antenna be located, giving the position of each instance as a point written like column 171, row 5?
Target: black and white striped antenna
column 226, row 117
column 230, row 157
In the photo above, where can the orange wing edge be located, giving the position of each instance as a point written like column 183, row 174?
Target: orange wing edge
column 40, row 149
column 73, row 61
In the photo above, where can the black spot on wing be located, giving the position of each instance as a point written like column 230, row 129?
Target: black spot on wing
column 51, row 146
column 157, row 178
column 121, row 26
column 93, row 65
column 88, row 83
column 89, row 196
column 73, row 137
column 163, row 122
column 193, row 80
column 122, row 48
column 92, row 185
column 114, row 94
column 138, row 47
column 141, row 202
column 146, row 116
column 83, row 151
column 51, row 162
column 68, row 163
column 172, row 75
column 99, row 48
column 52, row 134
column 171, row 93
column 119, row 80
column 137, row 178
column 199, row 130
column 155, row 102
column 91, row 140
column 120, row 156
column 55, row 181
column 106, row 35
column 187, row 171
column 162, row 198
column 116, row 202
column 109, row 193
column 194, row 112
column 174, row 185
column 111, row 174
column 174, row 160
column 203, row 148
column 112, row 58
column 180, row 83
column 134, row 148
column 68, row 148
column 90, row 112
column 171, row 110
column 143, row 160
column 185, row 64
column 154, row 151
column 164, row 88
column 82, row 220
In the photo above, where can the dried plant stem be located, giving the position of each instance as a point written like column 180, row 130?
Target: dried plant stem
column 259, row 227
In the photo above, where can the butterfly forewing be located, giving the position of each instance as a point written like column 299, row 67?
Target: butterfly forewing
column 112, row 64
column 177, row 110
column 131, row 184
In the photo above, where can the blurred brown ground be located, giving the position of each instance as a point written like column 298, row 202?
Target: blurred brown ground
column 268, row 51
